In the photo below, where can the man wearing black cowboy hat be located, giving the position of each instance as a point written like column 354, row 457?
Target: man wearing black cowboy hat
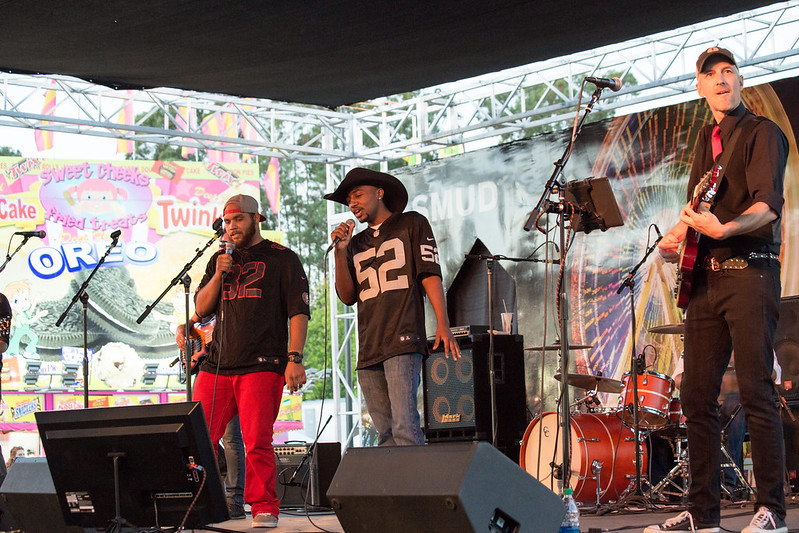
column 387, row 269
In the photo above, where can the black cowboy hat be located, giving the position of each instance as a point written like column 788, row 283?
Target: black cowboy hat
column 395, row 195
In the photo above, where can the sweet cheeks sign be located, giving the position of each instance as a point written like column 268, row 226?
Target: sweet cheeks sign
column 80, row 203
column 95, row 196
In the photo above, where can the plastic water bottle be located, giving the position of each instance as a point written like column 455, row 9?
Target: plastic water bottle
column 571, row 522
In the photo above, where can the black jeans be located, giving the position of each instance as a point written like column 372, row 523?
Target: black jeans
column 733, row 309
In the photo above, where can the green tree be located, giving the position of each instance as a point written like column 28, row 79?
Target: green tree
column 9, row 152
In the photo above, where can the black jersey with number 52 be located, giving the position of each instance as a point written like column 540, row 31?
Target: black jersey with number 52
column 388, row 265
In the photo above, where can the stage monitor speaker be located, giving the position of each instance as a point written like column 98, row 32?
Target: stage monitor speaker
column 30, row 497
column 453, row 487
column 786, row 346
column 313, row 474
column 457, row 393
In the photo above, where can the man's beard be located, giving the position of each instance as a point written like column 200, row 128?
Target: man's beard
column 249, row 234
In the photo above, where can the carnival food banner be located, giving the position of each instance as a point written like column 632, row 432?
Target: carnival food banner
column 163, row 211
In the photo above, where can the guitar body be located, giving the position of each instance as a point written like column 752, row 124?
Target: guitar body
column 705, row 191
column 199, row 337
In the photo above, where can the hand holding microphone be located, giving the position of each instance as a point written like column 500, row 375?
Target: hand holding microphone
column 342, row 233
column 224, row 261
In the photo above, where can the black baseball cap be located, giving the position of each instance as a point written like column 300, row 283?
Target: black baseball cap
column 713, row 51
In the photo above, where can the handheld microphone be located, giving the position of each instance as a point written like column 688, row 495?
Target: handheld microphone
column 333, row 244
column 614, row 84
column 227, row 247
column 41, row 234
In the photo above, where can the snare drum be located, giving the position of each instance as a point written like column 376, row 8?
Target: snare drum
column 654, row 395
column 601, row 448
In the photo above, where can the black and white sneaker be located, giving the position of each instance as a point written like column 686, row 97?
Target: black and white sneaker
column 765, row 521
column 682, row 523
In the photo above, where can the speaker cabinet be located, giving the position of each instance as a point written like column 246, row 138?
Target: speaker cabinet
column 453, row 487
column 786, row 346
column 30, row 497
column 313, row 473
column 457, row 394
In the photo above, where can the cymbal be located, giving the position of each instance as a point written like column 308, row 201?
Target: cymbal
column 676, row 329
column 555, row 347
column 585, row 381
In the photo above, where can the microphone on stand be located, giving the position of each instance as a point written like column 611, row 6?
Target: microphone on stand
column 614, row 84
column 657, row 230
column 218, row 227
column 115, row 237
column 41, row 234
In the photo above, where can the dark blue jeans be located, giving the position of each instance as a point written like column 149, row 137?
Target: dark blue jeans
column 733, row 309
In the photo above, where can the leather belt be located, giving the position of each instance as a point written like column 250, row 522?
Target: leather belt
column 738, row 262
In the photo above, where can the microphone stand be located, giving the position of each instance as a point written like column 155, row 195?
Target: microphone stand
column 308, row 453
column 8, row 257
column 183, row 277
column 490, row 260
column 83, row 296
column 629, row 282
column 557, row 185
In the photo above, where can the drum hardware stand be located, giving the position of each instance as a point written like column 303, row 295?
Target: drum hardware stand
column 636, row 368
column 727, row 461
column 679, row 470
column 590, row 219
column 83, row 296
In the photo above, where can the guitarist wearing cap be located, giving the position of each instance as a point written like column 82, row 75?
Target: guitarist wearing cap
column 734, row 296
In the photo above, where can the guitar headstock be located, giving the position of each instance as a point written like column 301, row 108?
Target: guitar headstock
column 708, row 186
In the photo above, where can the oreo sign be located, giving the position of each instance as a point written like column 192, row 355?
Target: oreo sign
column 49, row 262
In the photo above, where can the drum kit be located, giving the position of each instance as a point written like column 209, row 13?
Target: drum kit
column 602, row 439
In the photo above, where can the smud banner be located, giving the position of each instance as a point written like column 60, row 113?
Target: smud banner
column 164, row 211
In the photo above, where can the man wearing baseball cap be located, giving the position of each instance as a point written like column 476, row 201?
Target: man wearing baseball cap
column 734, row 298
column 387, row 269
column 259, row 293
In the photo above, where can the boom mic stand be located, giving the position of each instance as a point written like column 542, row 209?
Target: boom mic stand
column 635, row 370
column 556, row 186
column 183, row 277
column 83, row 296
column 490, row 260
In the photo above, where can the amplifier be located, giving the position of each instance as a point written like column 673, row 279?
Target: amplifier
column 457, row 394
column 311, row 473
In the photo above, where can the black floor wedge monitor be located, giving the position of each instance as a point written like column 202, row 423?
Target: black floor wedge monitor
column 157, row 458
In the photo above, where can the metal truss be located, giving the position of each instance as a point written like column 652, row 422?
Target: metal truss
column 490, row 109
column 501, row 106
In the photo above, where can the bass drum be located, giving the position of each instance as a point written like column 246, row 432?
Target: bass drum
column 601, row 447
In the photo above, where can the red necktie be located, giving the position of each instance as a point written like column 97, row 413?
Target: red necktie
column 715, row 141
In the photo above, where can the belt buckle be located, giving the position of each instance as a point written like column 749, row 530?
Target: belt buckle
column 713, row 264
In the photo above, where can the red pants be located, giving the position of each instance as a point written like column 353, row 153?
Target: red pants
column 256, row 398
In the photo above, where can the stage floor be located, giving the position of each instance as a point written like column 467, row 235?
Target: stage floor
column 734, row 518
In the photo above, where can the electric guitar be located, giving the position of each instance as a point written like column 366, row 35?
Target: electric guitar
column 705, row 191
column 199, row 337
column 5, row 328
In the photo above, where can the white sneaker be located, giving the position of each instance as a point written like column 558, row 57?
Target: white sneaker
column 682, row 523
column 264, row 520
column 765, row 521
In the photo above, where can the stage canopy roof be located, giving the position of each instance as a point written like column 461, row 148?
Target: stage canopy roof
column 329, row 53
